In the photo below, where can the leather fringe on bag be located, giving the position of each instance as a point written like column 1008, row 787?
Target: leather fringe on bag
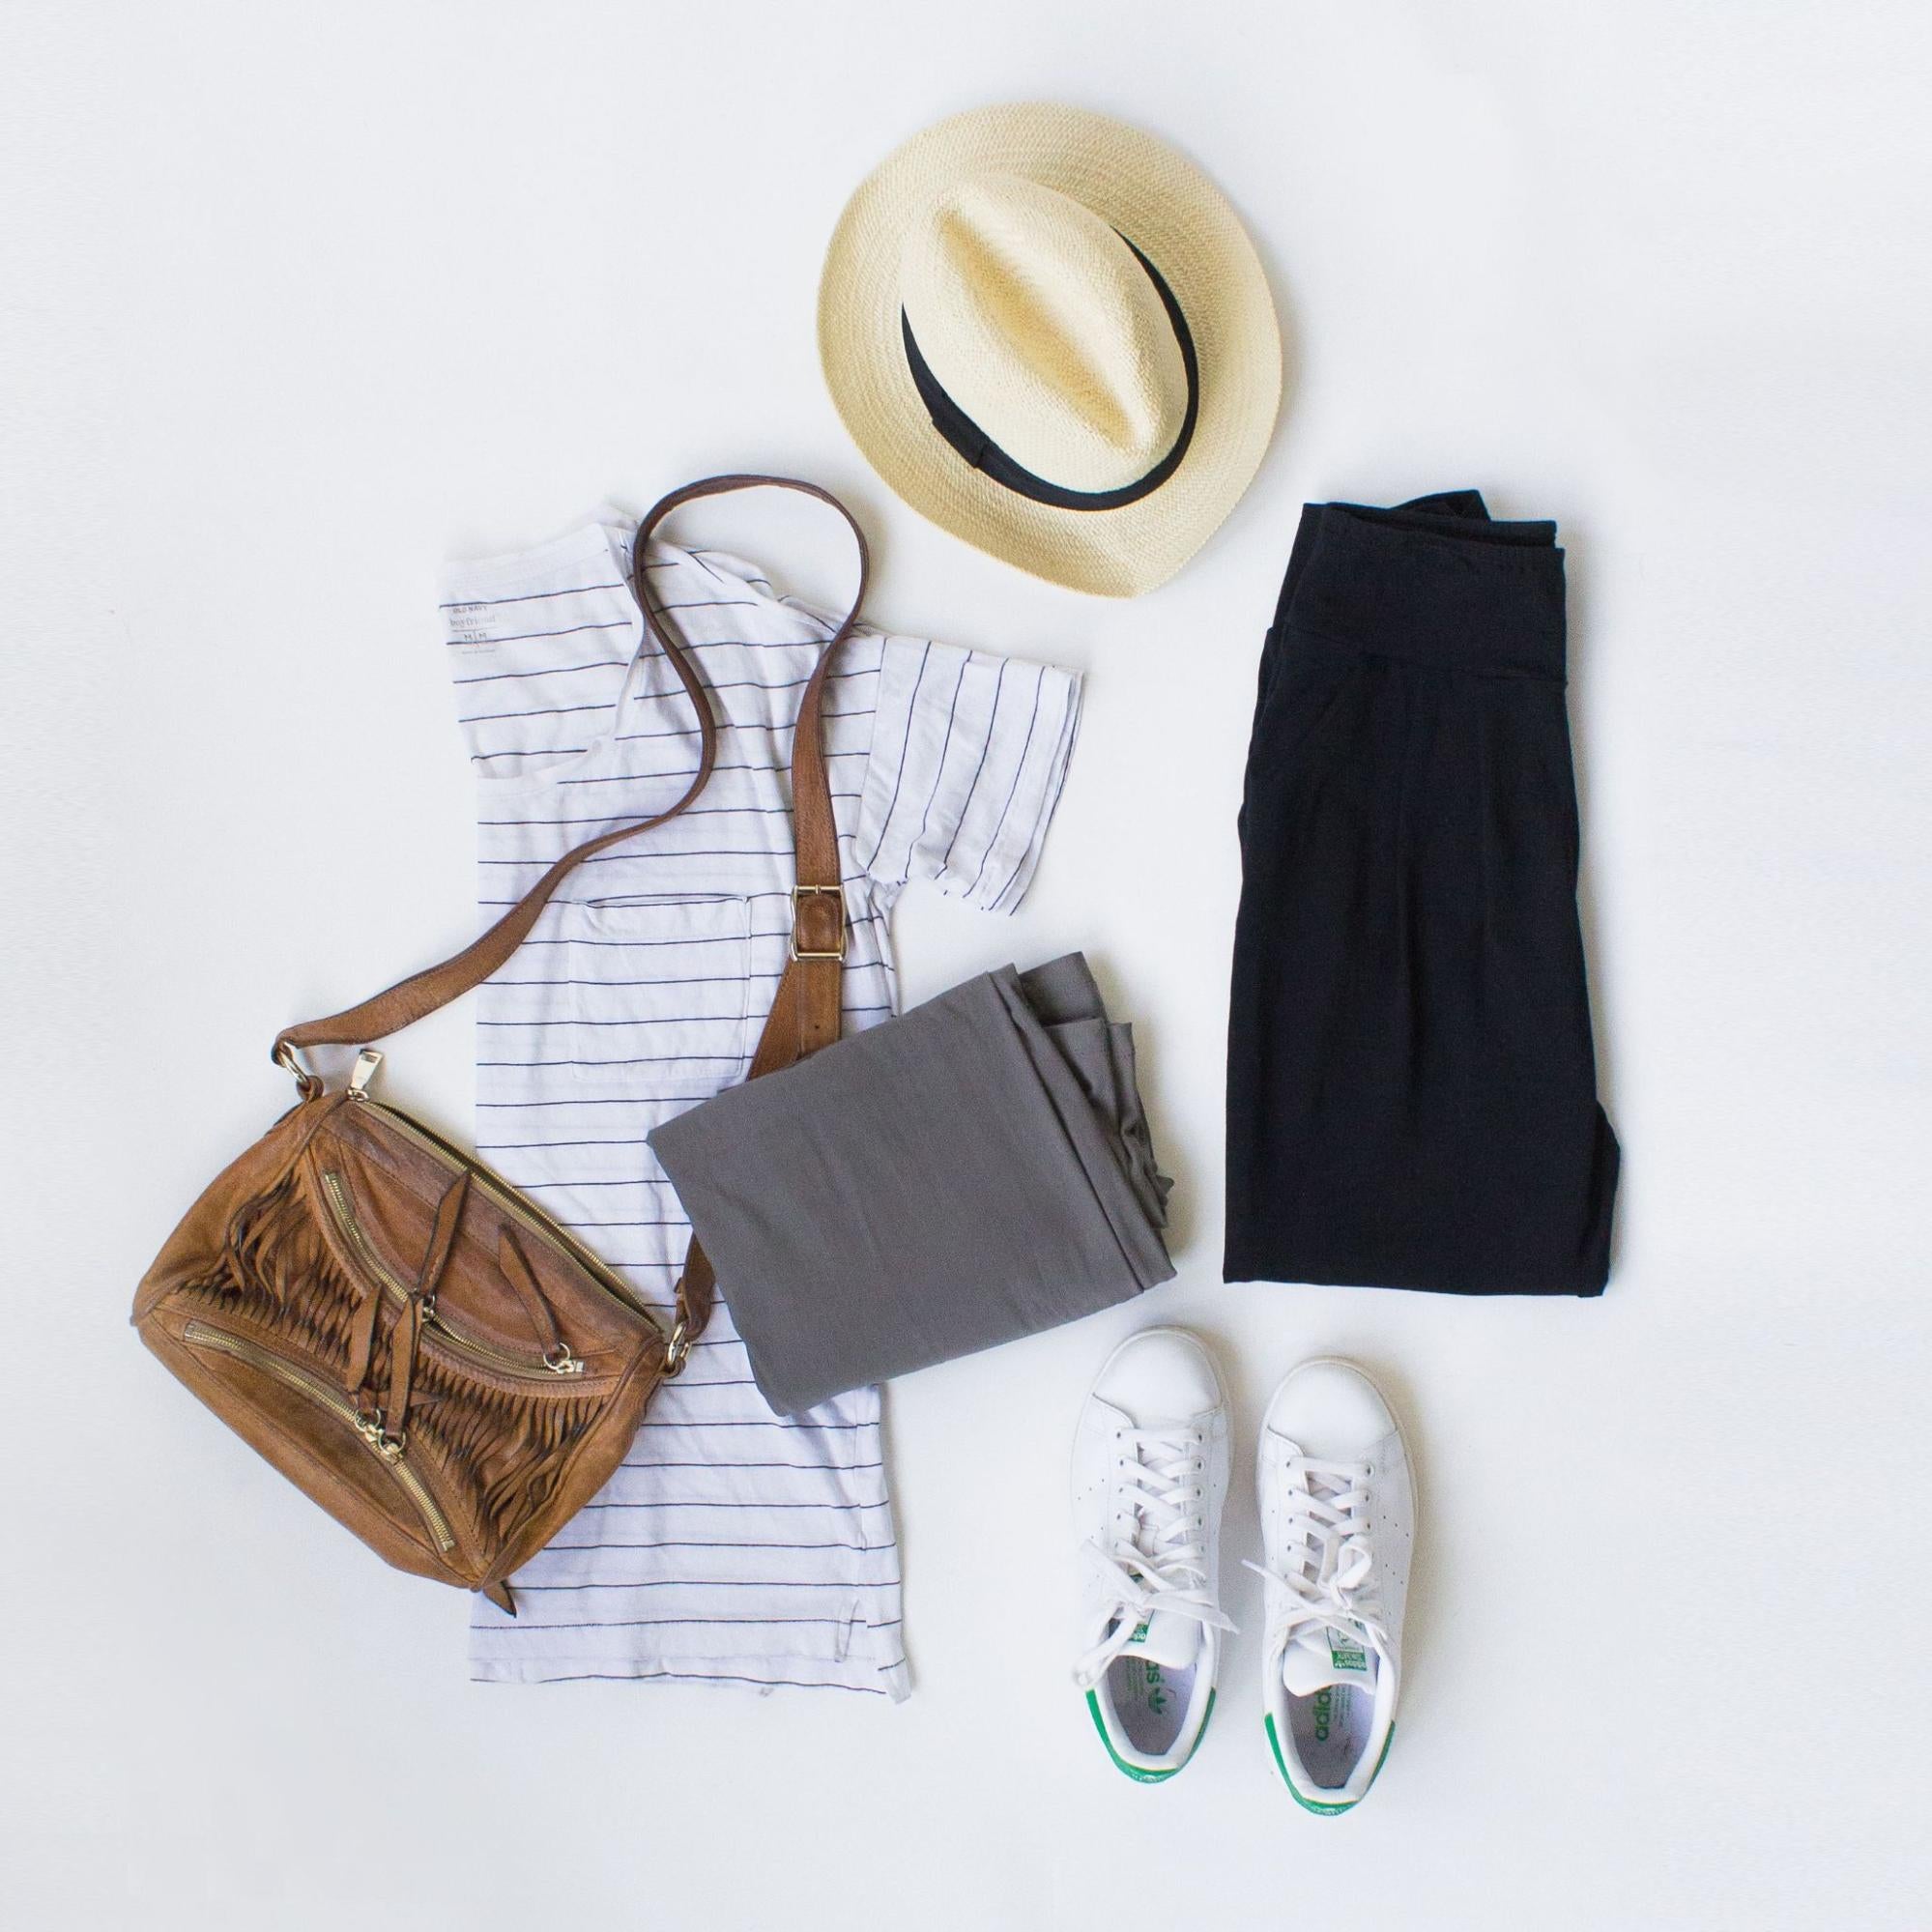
column 414, row 1343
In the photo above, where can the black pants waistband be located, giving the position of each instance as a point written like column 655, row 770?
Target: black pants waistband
column 1437, row 580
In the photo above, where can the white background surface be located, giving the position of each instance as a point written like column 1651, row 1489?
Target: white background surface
column 301, row 300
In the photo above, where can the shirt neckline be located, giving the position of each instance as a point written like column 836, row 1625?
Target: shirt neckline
column 608, row 544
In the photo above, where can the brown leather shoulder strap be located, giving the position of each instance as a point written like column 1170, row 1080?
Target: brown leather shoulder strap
column 809, row 991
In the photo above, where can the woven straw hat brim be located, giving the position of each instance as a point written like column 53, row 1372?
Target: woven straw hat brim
column 1180, row 220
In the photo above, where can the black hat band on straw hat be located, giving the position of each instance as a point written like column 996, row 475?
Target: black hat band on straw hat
column 966, row 436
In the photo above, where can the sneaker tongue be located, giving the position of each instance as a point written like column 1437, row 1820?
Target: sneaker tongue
column 1319, row 1655
column 1165, row 1638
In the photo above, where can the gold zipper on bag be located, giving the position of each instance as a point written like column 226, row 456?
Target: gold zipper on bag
column 448, row 1330
column 386, row 1450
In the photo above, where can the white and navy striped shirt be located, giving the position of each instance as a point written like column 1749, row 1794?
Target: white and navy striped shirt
column 733, row 1544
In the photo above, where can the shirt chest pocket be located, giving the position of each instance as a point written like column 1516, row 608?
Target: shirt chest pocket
column 658, row 991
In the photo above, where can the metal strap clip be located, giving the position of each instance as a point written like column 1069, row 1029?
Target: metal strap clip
column 308, row 1085
column 677, row 1347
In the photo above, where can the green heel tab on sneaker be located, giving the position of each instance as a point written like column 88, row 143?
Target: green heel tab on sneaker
column 1295, row 1792
column 1134, row 1770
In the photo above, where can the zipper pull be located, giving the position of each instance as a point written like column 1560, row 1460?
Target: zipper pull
column 364, row 1071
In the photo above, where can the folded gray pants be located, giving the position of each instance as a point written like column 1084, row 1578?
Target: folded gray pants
column 976, row 1169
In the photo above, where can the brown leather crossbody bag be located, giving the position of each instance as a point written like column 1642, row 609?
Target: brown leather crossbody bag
column 412, row 1343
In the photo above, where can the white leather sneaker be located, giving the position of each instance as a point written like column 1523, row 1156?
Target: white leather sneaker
column 1149, row 1477
column 1338, row 1523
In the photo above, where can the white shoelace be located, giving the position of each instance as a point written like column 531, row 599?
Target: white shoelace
column 1327, row 1560
column 1158, row 1561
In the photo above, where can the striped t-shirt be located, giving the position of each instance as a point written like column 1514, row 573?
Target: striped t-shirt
column 734, row 1546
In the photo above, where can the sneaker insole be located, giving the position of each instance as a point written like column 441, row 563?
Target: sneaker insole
column 1331, row 1731
column 1151, row 1700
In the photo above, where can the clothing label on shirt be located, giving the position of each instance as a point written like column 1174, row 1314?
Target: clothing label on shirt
column 467, row 626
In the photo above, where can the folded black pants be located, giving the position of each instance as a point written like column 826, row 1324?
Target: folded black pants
column 1411, row 1087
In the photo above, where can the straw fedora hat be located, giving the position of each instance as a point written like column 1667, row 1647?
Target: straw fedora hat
column 1050, row 334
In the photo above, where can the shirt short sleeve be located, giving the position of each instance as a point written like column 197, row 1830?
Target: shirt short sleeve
column 968, row 754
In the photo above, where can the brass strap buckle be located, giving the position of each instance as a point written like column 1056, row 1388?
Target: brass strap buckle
column 837, row 895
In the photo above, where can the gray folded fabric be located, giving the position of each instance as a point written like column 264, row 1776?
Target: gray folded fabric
column 977, row 1170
